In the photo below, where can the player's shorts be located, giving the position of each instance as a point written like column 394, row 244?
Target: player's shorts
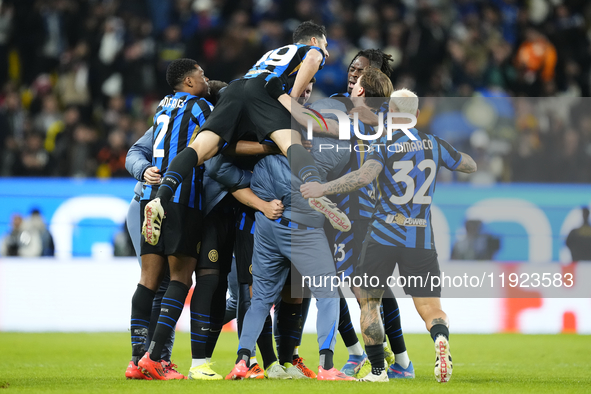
column 217, row 244
column 245, row 107
column 417, row 266
column 180, row 233
column 346, row 247
column 245, row 225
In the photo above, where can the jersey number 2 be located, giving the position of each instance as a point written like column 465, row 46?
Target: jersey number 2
column 402, row 176
column 164, row 120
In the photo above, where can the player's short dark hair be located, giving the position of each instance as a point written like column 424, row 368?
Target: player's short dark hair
column 376, row 83
column 377, row 59
column 313, row 80
column 306, row 30
column 178, row 70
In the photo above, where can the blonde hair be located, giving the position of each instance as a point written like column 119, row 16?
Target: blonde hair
column 403, row 100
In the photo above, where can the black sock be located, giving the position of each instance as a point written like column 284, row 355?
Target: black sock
column 392, row 325
column 205, row 286
column 180, row 167
column 217, row 312
column 289, row 323
column 375, row 353
column 243, row 354
column 265, row 342
column 243, row 305
column 346, row 328
column 141, row 307
column 172, row 307
column 439, row 329
column 302, row 164
column 326, row 359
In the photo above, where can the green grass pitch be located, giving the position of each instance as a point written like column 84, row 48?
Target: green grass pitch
column 96, row 362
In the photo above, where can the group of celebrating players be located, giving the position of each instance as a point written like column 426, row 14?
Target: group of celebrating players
column 241, row 181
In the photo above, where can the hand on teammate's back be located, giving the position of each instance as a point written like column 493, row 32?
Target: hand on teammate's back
column 274, row 87
column 152, row 176
column 312, row 190
column 273, row 209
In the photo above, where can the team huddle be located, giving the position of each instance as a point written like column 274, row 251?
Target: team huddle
column 228, row 172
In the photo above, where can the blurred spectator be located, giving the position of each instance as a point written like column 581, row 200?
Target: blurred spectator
column 33, row 160
column 535, row 61
column 475, row 245
column 579, row 239
column 36, row 223
column 111, row 158
column 21, row 241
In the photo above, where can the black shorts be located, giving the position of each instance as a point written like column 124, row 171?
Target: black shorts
column 244, row 244
column 180, row 233
column 245, row 107
column 346, row 247
column 417, row 266
column 217, row 243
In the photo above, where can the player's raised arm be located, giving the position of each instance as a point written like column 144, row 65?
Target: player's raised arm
column 467, row 165
column 352, row 181
column 310, row 66
column 275, row 89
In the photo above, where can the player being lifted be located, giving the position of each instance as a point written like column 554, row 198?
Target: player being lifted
column 401, row 231
column 246, row 106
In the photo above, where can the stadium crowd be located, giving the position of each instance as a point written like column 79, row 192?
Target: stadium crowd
column 81, row 78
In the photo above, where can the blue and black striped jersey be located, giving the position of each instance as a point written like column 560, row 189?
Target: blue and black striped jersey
column 358, row 204
column 177, row 121
column 406, row 186
column 283, row 63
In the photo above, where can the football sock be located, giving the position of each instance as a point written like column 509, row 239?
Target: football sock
column 375, row 353
column 439, row 329
column 243, row 354
column 392, row 325
column 217, row 313
column 265, row 342
column 205, row 286
column 180, row 167
column 355, row 350
column 172, row 307
column 289, row 323
column 197, row 362
column 346, row 326
column 156, row 305
column 243, row 305
column 296, row 352
column 402, row 359
column 326, row 356
column 141, row 308
column 302, row 164
column 253, row 361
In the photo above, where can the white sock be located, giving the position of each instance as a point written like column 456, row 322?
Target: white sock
column 197, row 362
column 295, row 351
column 355, row 350
column 402, row 359
column 208, row 359
column 385, row 344
column 253, row 361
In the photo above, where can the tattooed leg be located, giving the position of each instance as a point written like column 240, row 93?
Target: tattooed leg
column 430, row 311
column 372, row 327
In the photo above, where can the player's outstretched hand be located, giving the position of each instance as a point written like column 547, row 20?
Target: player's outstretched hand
column 273, row 209
column 312, row 190
column 152, row 175
column 274, row 87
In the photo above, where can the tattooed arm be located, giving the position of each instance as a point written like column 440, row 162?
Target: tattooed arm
column 352, row 181
column 467, row 165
